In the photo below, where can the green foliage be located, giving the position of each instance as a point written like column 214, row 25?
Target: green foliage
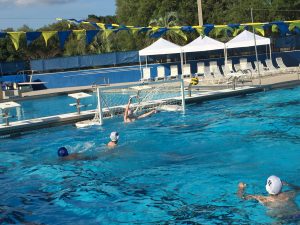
column 165, row 13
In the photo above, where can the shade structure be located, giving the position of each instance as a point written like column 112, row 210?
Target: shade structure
column 246, row 39
column 203, row 44
column 161, row 47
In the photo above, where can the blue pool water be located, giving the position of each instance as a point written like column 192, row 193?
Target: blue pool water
column 168, row 169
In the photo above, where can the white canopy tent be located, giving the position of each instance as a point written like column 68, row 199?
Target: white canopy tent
column 160, row 47
column 247, row 39
column 201, row 44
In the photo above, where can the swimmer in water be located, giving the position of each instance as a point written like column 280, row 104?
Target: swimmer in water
column 130, row 117
column 63, row 153
column 280, row 204
column 114, row 137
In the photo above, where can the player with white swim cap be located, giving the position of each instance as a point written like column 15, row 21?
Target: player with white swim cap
column 281, row 204
column 274, row 185
column 114, row 137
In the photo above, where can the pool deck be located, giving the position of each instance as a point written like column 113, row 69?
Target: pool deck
column 205, row 93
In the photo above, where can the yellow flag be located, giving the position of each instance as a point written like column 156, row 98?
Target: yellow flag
column 101, row 25
column 238, row 30
column 293, row 25
column 155, row 29
column 107, row 33
column 47, row 35
column 199, row 29
column 80, row 34
column 15, row 38
column 134, row 30
column 259, row 29
column 178, row 31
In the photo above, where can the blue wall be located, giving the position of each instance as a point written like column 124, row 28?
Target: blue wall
column 62, row 63
column 132, row 73
column 11, row 67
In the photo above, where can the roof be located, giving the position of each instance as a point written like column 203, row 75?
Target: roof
column 203, row 44
column 160, row 47
column 246, row 39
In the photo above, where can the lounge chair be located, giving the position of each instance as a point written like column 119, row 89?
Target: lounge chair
column 215, row 71
column 236, row 66
column 244, row 68
column 160, row 73
column 264, row 69
column 200, row 69
column 228, row 71
column 283, row 67
column 208, row 76
column 186, row 71
column 146, row 74
column 173, row 72
column 271, row 67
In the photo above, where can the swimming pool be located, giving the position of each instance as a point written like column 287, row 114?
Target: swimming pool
column 170, row 168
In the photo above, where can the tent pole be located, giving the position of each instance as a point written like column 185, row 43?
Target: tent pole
column 140, row 67
column 270, row 51
column 181, row 62
column 225, row 61
column 257, row 64
column 146, row 62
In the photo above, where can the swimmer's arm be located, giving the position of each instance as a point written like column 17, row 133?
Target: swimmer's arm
column 147, row 114
column 259, row 198
column 242, row 195
column 126, row 110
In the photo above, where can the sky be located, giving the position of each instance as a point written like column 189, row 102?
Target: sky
column 37, row 13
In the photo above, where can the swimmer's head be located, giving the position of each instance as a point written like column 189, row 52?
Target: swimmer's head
column 114, row 136
column 273, row 185
column 130, row 114
column 62, row 152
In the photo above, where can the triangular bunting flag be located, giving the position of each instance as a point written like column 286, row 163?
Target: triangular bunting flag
column 15, row 38
column 63, row 36
column 79, row 34
column 90, row 34
column 31, row 36
column 47, row 35
column 3, row 34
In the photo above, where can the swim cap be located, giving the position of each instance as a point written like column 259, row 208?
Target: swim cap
column 114, row 136
column 62, row 152
column 273, row 185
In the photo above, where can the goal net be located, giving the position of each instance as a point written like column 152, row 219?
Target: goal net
column 161, row 95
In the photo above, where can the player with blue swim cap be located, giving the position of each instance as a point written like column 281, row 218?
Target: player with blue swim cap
column 62, row 152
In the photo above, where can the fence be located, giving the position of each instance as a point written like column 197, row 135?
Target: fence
column 77, row 62
column 11, row 67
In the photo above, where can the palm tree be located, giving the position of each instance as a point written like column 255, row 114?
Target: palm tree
column 170, row 21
